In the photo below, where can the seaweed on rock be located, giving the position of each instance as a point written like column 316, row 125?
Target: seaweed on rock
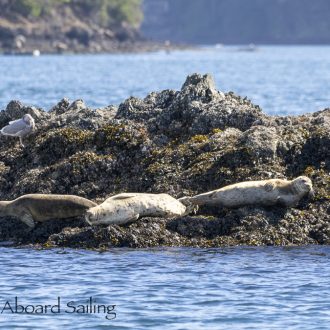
column 178, row 142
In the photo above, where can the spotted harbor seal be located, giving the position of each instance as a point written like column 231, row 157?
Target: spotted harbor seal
column 129, row 207
column 39, row 207
column 264, row 193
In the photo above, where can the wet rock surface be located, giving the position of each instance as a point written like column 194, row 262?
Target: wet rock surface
column 178, row 142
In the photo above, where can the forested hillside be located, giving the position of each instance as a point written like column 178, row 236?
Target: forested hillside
column 238, row 21
column 69, row 25
column 105, row 12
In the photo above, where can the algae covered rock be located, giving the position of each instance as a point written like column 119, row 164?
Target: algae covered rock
column 182, row 143
column 197, row 109
column 16, row 110
column 262, row 142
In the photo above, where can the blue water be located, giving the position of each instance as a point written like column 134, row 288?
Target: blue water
column 280, row 79
column 231, row 288
column 173, row 288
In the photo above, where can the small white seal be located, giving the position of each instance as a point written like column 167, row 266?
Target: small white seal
column 129, row 207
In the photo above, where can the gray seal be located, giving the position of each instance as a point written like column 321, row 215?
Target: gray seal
column 262, row 193
column 34, row 208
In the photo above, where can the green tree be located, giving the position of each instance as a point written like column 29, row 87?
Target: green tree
column 108, row 12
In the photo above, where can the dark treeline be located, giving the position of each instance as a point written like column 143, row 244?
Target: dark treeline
column 104, row 12
column 60, row 26
column 238, row 21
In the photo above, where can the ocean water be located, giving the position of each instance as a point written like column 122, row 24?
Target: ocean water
column 281, row 80
column 169, row 288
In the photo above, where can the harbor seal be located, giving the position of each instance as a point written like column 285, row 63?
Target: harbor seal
column 42, row 207
column 129, row 207
column 263, row 193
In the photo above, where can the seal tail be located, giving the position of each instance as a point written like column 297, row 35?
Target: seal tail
column 186, row 201
column 200, row 199
column 3, row 209
column 190, row 206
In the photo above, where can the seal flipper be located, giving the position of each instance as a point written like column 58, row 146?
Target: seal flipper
column 190, row 207
column 281, row 201
column 122, row 196
column 186, row 201
column 269, row 186
column 133, row 219
column 28, row 220
column 130, row 220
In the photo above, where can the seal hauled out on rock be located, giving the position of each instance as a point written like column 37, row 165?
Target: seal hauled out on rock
column 129, row 207
column 42, row 207
column 263, row 193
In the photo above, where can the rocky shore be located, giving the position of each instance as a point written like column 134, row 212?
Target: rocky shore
column 82, row 40
column 179, row 142
column 61, row 27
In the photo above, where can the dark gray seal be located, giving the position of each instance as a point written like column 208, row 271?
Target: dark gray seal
column 42, row 207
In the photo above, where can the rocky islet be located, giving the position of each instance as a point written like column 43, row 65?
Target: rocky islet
column 178, row 142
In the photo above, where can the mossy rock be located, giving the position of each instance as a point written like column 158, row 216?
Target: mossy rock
column 119, row 137
column 61, row 143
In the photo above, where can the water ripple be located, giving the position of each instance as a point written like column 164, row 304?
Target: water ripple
column 282, row 80
column 177, row 288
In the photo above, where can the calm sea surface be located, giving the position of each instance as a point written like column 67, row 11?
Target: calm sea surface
column 280, row 79
column 173, row 288
column 231, row 288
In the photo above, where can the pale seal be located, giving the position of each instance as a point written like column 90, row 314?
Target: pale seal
column 39, row 207
column 263, row 193
column 129, row 207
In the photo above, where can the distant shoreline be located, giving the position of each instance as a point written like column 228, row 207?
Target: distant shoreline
column 120, row 48
column 151, row 46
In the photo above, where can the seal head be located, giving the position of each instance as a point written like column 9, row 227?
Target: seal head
column 303, row 186
column 113, row 214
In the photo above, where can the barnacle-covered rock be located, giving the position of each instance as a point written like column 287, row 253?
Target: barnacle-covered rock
column 178, row 142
